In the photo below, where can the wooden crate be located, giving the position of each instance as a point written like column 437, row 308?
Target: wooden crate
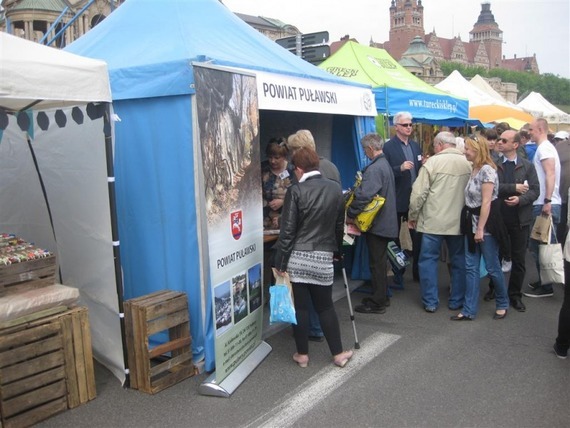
column 154, row 369
column 32, row 375
column 79, row 368
column 78, row 355
column 34, row 273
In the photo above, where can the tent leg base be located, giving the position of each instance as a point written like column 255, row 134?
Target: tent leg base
column 227, row 387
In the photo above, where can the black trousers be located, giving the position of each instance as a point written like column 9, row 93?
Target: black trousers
column 377, row 258
column 519, row 242
column 321, row 298
column 563, row 339
column 416, row 242
column 562, row 228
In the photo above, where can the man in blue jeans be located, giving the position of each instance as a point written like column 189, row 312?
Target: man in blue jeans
column 547, row 165
column 435, row 210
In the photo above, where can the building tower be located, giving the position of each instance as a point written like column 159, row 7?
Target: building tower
column 406, row 22
column 486, row 30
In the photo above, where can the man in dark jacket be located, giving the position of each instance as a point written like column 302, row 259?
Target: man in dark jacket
column 518, row 188
column 405, row 157
column 377, row 179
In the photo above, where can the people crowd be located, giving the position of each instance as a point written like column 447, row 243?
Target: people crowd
column 471, row 199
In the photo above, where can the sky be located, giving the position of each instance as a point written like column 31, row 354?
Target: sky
column 529, row 26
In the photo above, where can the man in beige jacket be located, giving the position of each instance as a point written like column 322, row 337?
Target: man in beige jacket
column 435, row 210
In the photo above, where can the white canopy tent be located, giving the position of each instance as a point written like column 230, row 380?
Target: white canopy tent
column 535, row 102
column 31, row 73
column 482, row 84
column 456, row 84
column 55, row 169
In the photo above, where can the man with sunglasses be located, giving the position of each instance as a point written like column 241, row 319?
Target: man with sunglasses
column 518, row 189
column 405, row 157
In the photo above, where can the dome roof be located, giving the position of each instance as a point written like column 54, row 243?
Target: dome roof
column 417, row 47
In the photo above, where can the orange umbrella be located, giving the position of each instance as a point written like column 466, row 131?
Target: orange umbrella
column 491, row 113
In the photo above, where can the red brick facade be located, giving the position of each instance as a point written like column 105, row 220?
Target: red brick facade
column 484, row 48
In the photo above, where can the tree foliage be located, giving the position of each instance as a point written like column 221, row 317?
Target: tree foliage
column 555, row 89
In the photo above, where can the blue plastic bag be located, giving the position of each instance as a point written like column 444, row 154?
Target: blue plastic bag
column 281, row 305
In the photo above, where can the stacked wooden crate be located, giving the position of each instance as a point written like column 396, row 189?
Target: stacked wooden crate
column 153, row 369
column 46, row 361
column 46, row 365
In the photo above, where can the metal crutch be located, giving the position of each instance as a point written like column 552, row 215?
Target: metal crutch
column 356, row 344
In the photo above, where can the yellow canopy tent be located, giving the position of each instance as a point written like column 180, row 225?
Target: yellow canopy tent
column 494, row 113
column 513, row 122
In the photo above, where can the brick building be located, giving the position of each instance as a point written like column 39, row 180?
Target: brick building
column 484, row 48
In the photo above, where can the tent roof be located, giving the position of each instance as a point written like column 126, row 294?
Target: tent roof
column 31, row 72
column 374, row 67
column 482, row 84
column 536, row 102
column 498, row 113
column 396, row 88
column 151, row 45
column 456, row 84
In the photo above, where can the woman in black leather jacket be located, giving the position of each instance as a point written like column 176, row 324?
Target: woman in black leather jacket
column 311, row 232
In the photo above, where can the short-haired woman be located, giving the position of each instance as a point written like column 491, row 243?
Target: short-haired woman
column 311, row 232
column 484, row 230
column 276, row 177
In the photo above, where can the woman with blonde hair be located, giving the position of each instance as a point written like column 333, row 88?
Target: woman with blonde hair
column 484, row 230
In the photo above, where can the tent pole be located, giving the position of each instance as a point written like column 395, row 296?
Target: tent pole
column 107, row 129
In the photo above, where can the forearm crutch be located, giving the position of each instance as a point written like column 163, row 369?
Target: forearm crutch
column 356, row 344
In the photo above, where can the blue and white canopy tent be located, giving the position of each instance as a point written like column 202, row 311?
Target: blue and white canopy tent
column 151, row 47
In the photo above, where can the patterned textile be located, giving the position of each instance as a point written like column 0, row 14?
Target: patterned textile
column 311, row 267
column 274, row 187
column 473, row 190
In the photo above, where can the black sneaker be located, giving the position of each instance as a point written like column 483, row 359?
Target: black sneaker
column 534, row 285
column 369, row 308
column 539, row 292
column 559, row 352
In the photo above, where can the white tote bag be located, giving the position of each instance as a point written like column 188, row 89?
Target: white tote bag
column 551, row 262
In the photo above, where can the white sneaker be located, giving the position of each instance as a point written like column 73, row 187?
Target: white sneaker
column 506, row 265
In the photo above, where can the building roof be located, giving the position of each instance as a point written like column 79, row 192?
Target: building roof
column 43, row 5
column 518, row 64
column 417, row 47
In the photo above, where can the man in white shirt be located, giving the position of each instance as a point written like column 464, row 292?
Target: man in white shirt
column 547, row 164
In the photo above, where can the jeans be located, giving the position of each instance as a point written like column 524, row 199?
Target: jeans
column 533, row 245
column 428, row 266
column 489, row 250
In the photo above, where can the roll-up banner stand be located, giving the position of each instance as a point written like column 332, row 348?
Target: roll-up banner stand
column 230, row 183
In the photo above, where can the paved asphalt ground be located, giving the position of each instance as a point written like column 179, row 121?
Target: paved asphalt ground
column 414, row 369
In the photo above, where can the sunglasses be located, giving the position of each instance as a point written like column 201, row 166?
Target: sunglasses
column 405, row 125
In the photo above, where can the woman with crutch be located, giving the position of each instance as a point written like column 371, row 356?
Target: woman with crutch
column 311, row 233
